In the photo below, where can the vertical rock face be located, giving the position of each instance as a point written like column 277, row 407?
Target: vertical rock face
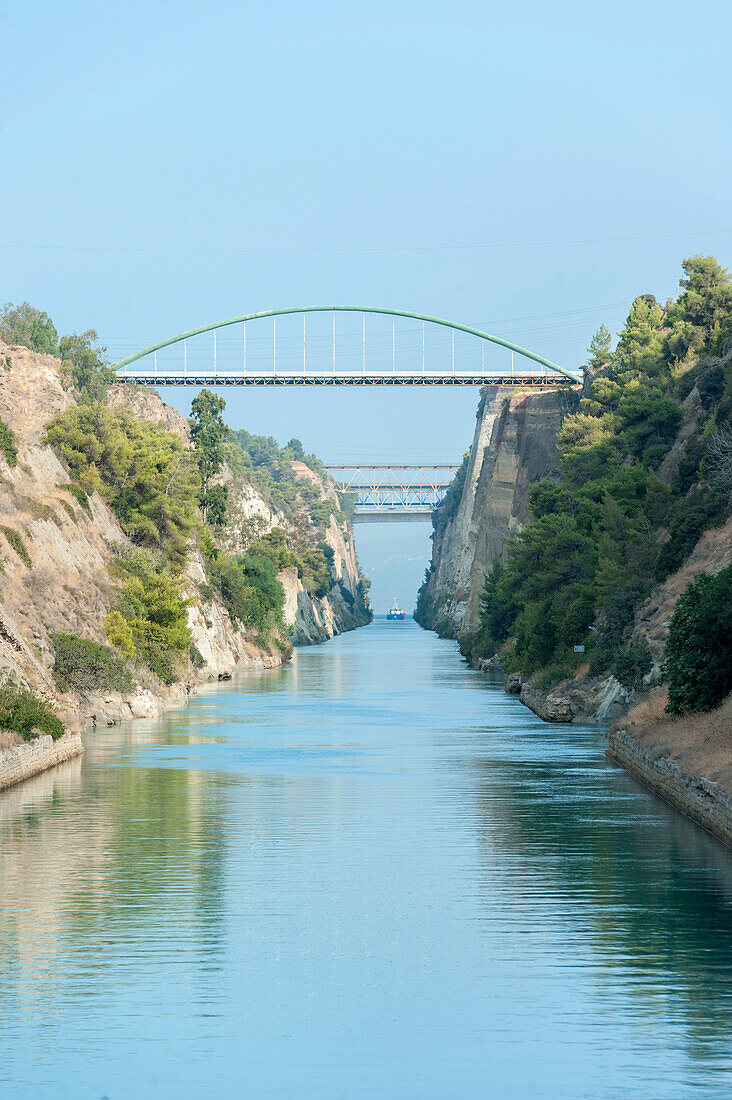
column 55, row 555
column 315, row 619
column 515, row 444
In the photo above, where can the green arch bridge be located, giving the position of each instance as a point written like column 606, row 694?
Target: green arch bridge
column 533, row 370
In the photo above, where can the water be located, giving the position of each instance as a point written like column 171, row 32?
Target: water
column 369, row 874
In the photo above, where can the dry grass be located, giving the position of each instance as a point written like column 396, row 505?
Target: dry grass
column 9, row 739
column 701, row 744
column 649, row 710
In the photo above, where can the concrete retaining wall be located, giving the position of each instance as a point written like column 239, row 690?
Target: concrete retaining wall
column 23, row 761
column 699, row 798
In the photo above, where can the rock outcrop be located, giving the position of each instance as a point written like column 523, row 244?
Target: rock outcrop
column 56, row 548
column 515, row 444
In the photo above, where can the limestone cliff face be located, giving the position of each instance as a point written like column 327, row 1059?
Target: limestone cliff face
column 60, row 581
column 515, row 444
column 315, row 619
column 310, row 618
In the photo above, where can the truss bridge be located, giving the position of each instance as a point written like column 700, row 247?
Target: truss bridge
column 385, row 492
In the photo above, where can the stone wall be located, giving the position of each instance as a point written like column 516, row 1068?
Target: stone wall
column 701, row 799
column 23, row 761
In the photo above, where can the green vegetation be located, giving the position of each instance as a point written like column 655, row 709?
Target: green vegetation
column 698, row 658
column 84, row 366
column 87, row 666
column 16, row 541
column 29, row 327
column 26, row 714
column 313, row 563
column 267, row 466
column 147, row 474
column 7, row 444
column 78, row 493
column 250, row 591
column 619, row 522
column 149, row 624
column 209, row 432
column 448, row 509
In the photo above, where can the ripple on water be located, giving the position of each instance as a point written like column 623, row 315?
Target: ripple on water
column 370, row 873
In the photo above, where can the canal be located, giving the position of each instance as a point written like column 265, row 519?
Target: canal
column 368, row 874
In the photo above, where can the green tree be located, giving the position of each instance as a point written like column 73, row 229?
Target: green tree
column 152, row 604
column 698, row 656
column 640, row 346
column 209, row 432
column 298, row 451
column 29, row 327
column 600, row 349
column 706, row 300
column 84, row 366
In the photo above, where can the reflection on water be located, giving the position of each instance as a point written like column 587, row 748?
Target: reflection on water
column 370, row 873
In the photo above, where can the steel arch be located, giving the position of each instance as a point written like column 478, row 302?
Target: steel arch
column 349, row 309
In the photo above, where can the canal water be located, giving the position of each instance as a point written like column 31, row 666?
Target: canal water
column 368, row 874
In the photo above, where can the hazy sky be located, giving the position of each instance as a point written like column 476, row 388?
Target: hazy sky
column 527, row 168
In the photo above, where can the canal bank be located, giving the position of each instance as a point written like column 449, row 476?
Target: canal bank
column 686, row 761
column 23, row 761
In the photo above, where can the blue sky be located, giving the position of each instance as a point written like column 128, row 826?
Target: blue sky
column 167, row 165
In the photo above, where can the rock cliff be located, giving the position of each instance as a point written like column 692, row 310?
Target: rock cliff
column 515, row 444
column 56, row 548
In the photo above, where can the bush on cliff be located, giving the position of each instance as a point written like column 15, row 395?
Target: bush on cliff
column 149, row 624
column 250, row 591
column 84, row 366
column 8, row 447
column 16, row 541
column 87, row 666
column 148, row 475
column 259, row 460
column 24, row 713
column 698, row 656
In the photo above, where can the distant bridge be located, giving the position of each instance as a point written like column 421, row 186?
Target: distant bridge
column 390, row 492
column 320, row 355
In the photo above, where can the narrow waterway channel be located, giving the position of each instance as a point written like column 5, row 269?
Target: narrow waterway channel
column 370, row 873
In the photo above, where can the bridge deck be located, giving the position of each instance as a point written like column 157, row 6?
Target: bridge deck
column 221, row 378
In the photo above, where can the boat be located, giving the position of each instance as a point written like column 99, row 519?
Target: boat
column 396, row 612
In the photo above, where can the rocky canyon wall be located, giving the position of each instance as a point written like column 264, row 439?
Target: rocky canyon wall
column 515, row 444
column 56, row 553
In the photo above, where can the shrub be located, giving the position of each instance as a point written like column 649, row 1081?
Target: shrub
column 7, row 444
column 16, row 541
column 249, row 589
column 147, row 474
column 84, row 366
column 196, row 657
column 631, row 665
column 693, row 519
column 119, row 633
column 698, row 656
column 78, row 493
column 22, row 711
column 150, row 622
column 87, row 666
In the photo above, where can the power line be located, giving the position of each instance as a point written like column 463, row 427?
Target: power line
column 353, row 251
